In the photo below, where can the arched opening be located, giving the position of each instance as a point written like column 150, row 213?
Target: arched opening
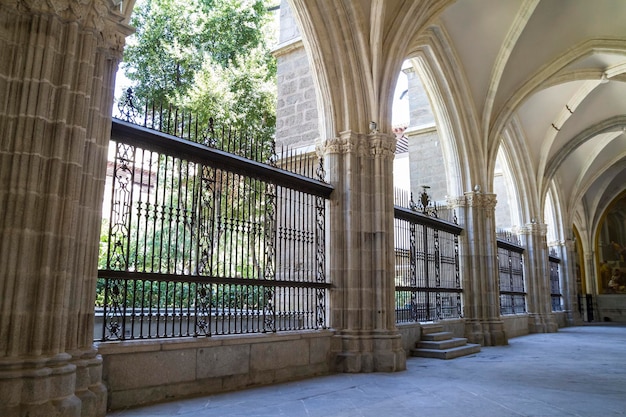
column 507, row 212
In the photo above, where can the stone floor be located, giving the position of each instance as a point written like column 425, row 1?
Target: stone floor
column 579, row 371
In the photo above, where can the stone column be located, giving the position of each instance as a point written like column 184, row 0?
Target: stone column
column 591, row 282
column 479, row 266
column 361, row 267
column 566, row 252
column 537, row 279
column 57, row 68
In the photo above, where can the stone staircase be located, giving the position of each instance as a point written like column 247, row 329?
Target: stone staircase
column 435, row 343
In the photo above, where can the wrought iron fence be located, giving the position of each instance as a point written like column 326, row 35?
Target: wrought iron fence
column 428, row 285
column 198, row 241
column 556, row 296
column 511, row 274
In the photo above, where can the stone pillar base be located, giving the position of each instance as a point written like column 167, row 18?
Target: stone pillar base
column 474, row 332
column 540, row 323
column 38, row 387
column 496, row 336
column 486, row 332
column 369, row 352
column 89, row 387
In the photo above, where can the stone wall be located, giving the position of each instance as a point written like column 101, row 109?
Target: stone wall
column 515, row 325
column 421, row 113
column 296, row 108
column 611, row 307
column 426, row 162
column 288, row 26
column 143, row 372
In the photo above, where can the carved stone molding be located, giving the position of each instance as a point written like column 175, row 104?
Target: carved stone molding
column 101, row 16
column 534, row 229
column 485, row 201
column 348, row 142
column 86, row 12
column 376, row 144
column 456, row 202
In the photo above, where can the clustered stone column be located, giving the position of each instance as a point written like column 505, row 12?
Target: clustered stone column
column 537, row 278
column 57, row 66
column 476, row 211
column 361, row 242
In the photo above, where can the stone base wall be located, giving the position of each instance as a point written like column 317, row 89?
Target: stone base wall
column 454, row 326
column 144, row 372
column 611, row 307
column 515, row 325
column 561, row 319
column 411, row 334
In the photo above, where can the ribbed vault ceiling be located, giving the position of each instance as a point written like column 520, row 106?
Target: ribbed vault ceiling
column 541, row 62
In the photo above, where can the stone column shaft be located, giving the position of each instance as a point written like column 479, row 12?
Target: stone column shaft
column 479, row 260
column 537, row 278
column 361, row 241
column 57, row 69
column 567, row 272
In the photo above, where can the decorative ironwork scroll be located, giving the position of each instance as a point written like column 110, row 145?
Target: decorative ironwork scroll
column 127, row 109
column 320, row 244
column 121, row 207
column 437, row 258
column 269, row 314
column 205, row 224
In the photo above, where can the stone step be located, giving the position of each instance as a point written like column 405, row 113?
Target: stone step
column 442, row 344
column 432, row 328
column 451, row 353
column 437, row 336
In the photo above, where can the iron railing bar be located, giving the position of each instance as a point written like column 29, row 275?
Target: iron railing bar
column 202, row 279
column 194, row 152
column 429, row 290
column 512, row 293
column 510, row 246
column 423, row 219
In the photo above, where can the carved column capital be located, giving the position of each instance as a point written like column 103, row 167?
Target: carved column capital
column 534, row 229
column 105, row 18
column 348, row 142
column 480, row 200
column 381, row 144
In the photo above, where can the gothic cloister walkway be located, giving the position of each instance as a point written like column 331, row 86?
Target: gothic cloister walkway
column 578, row 371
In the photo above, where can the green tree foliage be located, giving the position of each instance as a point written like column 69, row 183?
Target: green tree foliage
column 208, row 56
